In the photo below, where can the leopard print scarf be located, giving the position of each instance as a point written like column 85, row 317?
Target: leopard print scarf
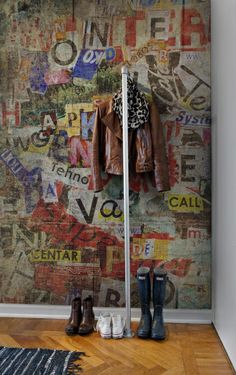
column 138, row 111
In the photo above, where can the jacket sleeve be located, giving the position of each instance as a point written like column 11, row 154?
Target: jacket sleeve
column 97, row 152
column 161, row 172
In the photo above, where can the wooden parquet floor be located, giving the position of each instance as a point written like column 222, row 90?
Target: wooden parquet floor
column 188, row 349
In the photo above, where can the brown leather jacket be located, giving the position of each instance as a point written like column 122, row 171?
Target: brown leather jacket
column 146, row 147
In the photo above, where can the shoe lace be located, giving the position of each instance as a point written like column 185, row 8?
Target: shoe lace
column 102, row 320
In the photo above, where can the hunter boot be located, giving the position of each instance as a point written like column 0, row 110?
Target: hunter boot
column 87, row 324
column 75, row 317
column 159, row 288
column 144, row 287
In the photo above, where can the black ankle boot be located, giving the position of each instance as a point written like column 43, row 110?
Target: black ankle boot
column 144, row 287
column 159, row 287
column 75, row 317
column 87, row 323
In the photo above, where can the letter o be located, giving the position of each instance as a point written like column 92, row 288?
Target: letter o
column 84, row 180
column 73, row 53
column 88, row 56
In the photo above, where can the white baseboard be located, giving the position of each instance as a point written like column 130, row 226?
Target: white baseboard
column 63, row 312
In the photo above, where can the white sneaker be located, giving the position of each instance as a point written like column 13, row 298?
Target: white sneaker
column 118, row 325
column 104, row 325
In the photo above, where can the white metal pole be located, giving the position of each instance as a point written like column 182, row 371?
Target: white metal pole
column 124, row 71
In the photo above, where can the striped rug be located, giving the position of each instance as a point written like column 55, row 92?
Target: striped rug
column 19, row 361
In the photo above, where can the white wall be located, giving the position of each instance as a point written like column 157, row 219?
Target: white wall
column 224, row 171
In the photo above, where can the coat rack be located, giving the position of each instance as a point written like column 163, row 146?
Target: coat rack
column 124, row 71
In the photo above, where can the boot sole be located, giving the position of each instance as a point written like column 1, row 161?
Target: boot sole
column 71, row 333
column 86, row 333
column 144, row 336
column 160, row 338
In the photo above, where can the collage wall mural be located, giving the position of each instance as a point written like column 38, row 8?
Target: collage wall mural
column 58, row 60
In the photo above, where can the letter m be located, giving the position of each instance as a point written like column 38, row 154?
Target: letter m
column 194, row 233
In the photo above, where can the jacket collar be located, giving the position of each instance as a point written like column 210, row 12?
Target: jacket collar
column 111, row 121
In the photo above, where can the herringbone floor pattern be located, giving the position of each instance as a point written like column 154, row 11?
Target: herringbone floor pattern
column 188, row 349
